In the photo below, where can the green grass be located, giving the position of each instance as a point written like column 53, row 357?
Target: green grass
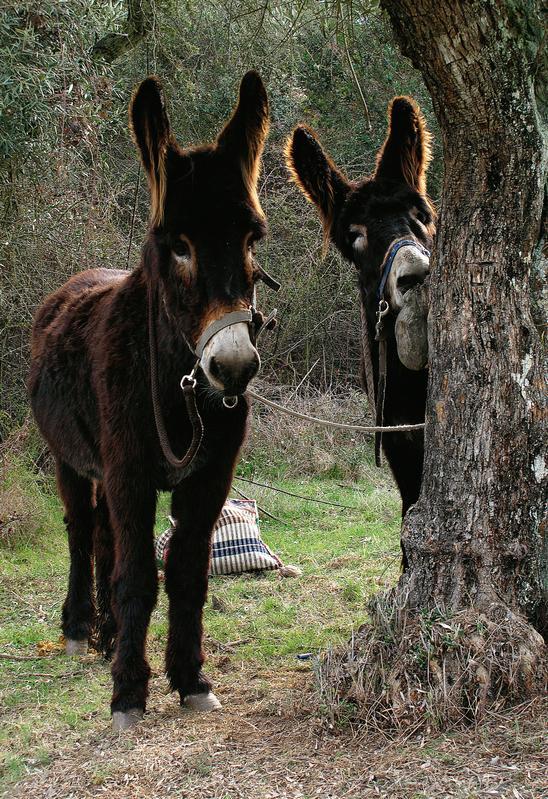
column 344, row 555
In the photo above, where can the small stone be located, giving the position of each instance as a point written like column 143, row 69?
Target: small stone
column 218, row 604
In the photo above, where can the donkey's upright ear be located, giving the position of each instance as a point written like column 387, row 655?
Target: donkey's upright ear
column 245, row 132
column 406, row 152
column 316, row 175
column 149, row 125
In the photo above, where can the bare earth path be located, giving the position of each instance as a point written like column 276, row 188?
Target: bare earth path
column 270, row 742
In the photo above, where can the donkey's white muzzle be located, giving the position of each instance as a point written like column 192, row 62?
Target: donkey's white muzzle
column 409, row 268
column 229, row 359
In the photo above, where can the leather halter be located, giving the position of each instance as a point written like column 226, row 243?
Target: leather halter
column 251, row 316
column 188, row 382
column 389, row 260
column 212, row 329
column 380, row 337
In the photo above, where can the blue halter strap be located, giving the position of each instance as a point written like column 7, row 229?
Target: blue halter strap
column 389, row 260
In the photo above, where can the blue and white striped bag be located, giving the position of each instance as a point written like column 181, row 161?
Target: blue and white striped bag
column 237, row 545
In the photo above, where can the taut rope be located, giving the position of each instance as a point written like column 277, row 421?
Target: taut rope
column 357, row 428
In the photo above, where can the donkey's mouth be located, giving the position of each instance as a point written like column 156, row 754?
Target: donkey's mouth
column 233, row 382
column 230, row 360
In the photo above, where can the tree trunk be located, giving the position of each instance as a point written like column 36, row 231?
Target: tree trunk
column 476, row 534
column 460, row 630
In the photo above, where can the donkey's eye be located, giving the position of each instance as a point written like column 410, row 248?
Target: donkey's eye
column 357, row 237
column 181, row 249
column 252, row 244
column 406, row 282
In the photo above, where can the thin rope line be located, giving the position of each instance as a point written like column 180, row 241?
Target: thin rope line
column 400, row 428
column 291, row 494
column 263, row 510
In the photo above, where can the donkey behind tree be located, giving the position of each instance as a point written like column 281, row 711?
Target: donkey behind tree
column 384, row 225
column 91, row 385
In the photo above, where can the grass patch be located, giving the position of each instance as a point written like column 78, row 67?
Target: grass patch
column 264, row 619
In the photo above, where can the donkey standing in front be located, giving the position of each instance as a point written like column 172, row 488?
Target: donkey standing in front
column 109, row 350
column 384, row 225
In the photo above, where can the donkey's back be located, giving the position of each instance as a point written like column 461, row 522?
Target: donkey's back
column 68, row 336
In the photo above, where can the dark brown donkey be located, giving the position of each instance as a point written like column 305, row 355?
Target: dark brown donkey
column 384, row 225
column 104, row 344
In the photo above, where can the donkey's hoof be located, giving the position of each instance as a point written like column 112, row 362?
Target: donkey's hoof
column 76, row 648
column 123, row 721
column 202, row 703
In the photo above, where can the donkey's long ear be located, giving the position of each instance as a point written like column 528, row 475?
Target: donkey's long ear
column 406, row 152
column 316, row 175
column 245, row 132
column 149, row 125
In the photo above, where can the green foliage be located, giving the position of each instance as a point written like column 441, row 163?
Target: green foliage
column 68, row 183
column 50, row 88
column 270, row 619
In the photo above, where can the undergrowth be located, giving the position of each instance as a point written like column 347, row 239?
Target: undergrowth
column 259, row 623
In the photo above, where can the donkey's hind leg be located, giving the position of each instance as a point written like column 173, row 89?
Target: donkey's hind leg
column 78, row 608
column 131, row 498
column 103, row 547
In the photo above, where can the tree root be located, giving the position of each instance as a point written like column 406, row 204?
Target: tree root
column 436, row 669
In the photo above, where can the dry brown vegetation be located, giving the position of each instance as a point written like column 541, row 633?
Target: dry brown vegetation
column 270, row 742
column 431, row 670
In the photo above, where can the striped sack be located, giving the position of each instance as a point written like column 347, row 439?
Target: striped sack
column 236, row 546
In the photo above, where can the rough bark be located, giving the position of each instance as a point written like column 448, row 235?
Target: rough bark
column 476, row 534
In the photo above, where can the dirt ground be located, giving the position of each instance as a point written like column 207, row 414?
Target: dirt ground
column 270, row 741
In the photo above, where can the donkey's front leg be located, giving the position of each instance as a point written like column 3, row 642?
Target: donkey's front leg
column 196, row 505
column 132, row 506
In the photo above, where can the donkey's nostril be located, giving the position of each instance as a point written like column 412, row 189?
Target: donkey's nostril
column 406, row 282
column 214, row 368
column 234, row 376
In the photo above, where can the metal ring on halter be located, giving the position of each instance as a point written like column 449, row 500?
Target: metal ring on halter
column 381, row 312
column 230, row 402
column 383, row 308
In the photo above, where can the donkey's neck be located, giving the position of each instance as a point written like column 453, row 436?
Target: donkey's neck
column 173, row 353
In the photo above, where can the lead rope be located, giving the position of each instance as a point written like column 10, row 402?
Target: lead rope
column 380, row 336
column 188, row 385
column 367, row 360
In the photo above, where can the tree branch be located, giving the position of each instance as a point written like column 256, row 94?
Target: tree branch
column 139, row 22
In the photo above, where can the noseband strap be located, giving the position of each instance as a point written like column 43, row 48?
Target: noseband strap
column 219, row 324
column 389, row 260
